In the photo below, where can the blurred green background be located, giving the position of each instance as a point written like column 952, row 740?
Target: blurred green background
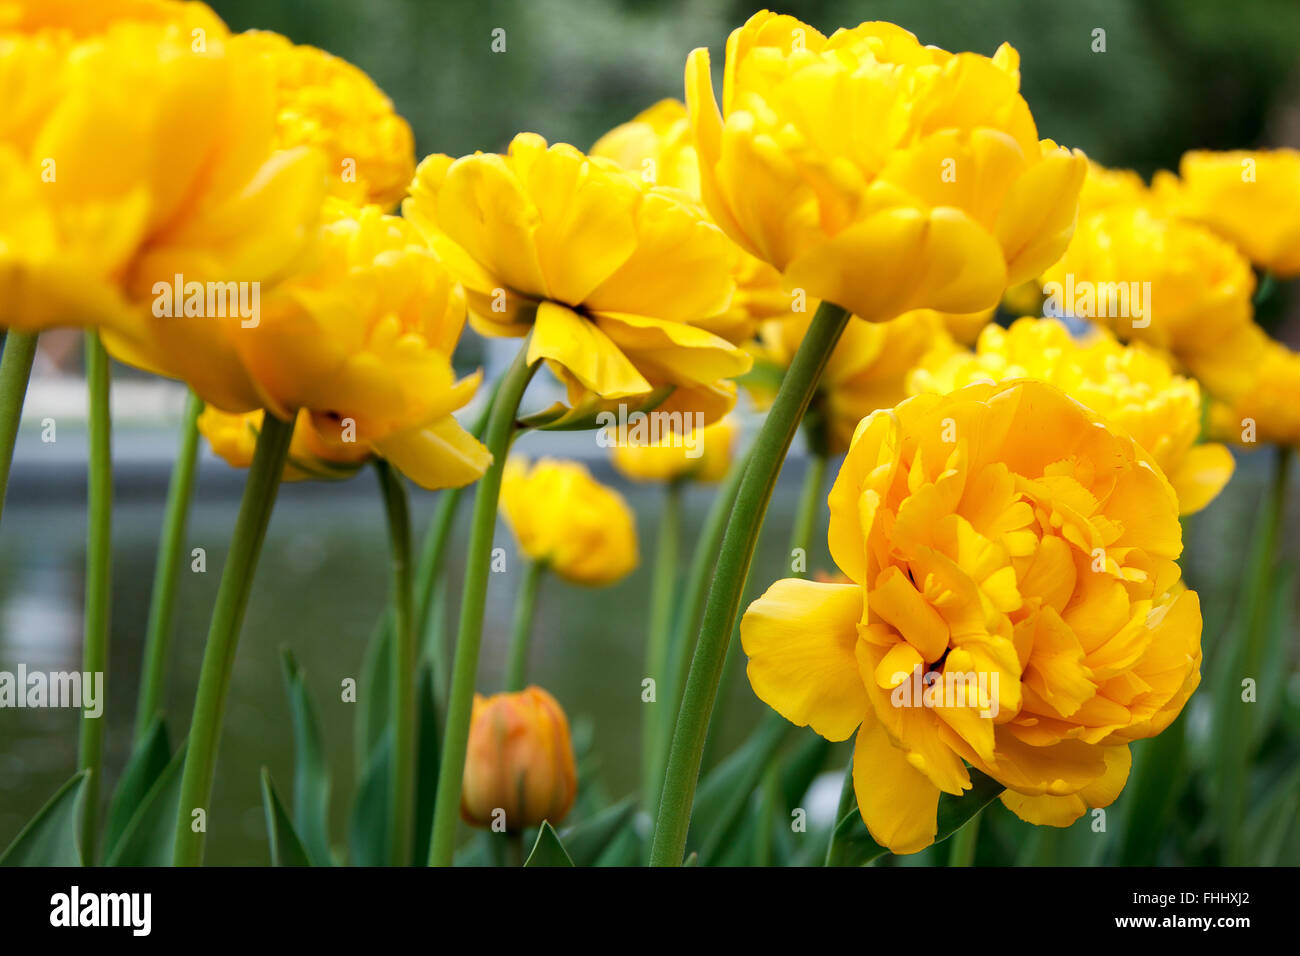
column 1176, row 74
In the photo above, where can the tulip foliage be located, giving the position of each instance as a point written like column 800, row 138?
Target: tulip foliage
column 1016, row 374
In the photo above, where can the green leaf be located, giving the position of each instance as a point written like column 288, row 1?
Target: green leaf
column 368, row 833
column 373, row 713
column 726, row 791
column 147, row 762
column 1273, row 675
column 852, row 844
column 548, row 850
column 801, row 767
column 286, row 847
column 1157, row 779
column 311, row 776
column 586, row 841
column 150, row 836
column 50, row 837
column 428, row 758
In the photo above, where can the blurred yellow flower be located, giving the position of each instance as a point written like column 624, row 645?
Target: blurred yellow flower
column 1251, row 198
column 1155, row 279
column 614, row 277
column 233, row 437
column 1015, row 606
column 327, row 103
column 877, row 173
column 699, row 454
column 657, row 144
column 1129, row 386
column 867, row 370
column 137, row 143
column 559, row 514
column 1264, row 403
column 519, row 762
column 361, row 338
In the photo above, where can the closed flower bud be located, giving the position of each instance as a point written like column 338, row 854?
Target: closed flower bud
column 233, row 438
column 701, row 454
column 519, row 765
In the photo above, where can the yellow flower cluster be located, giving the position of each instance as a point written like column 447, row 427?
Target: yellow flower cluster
column 1015, row 605
column 1128, row 386
column 702, row 454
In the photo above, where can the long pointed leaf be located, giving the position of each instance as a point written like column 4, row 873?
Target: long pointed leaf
column 50, row 837
column 286, row 845
column 150, row 836
column 147, row 762
column 311, row 776
column 548, row 850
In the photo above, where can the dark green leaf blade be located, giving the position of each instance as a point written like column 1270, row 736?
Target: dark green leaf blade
column 286, row 846
column 311, row 776
column 548, row 850
column 587, row 841
column 150, row 836
column 146, row 764
column 50, row 837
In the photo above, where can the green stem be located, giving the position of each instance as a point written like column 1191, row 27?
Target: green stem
column 1236, row 720
column 99, row 554
column 521, row 629
column 834, row 850
column 469, row 636
column 961, row 845
column 733, row 566
column 15, row 370
column 698, row 577
column 260, row 489
column 662, row 594
column 171, row 554
column 401, row 795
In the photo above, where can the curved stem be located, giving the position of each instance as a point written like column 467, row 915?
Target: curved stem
column 733, row 565
column 662, row 592
column 469, row 636
column 698, row 577
column 260, row 489
column 15, row 370
column 401, row 797
column 99, row 555
column 521, row 629
column 171, row 548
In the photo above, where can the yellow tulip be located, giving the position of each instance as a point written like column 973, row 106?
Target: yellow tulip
column 1156, row 279
column 1251, row 198
column 657, row 145
column 877, row 173
column 1006, row 540
column 234, row 439
column 519, row 767
column 1261, row 400
column 361, row 338
column 614, row 277
column 560, row 515
column 701, row 454
column 329, row 104
column 1129, row 386
column 867, row 370
column 137, row 143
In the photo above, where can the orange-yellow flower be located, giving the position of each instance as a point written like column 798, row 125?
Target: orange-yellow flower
column 519, row 767
column 877, row 173
column 1251, row 198
column 234, row 439
column 1262, row 403
column 614, row 277
column 867, row 370
column 584, row 531
column 329, row 104
column 361, row 338
column 702, row 454
column 1005, row 539
column 1132, row 387
column 137, row 142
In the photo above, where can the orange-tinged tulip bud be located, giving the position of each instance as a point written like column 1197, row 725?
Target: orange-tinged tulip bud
column 519, row 766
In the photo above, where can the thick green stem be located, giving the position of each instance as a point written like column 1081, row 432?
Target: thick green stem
column 698, row 577
column 728, row 583
column 171, row 554
column 15, row 370
column 961, row 845
column 522, row 627
column 663, row 591
column 260, row 489
column 1236, row 718
column 469, row 637
column 99, row 554
column 401, row 797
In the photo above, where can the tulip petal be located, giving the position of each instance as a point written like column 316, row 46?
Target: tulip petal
column 566, row 338
column 441, row 455
column 898, row 803
column 1200, row 476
